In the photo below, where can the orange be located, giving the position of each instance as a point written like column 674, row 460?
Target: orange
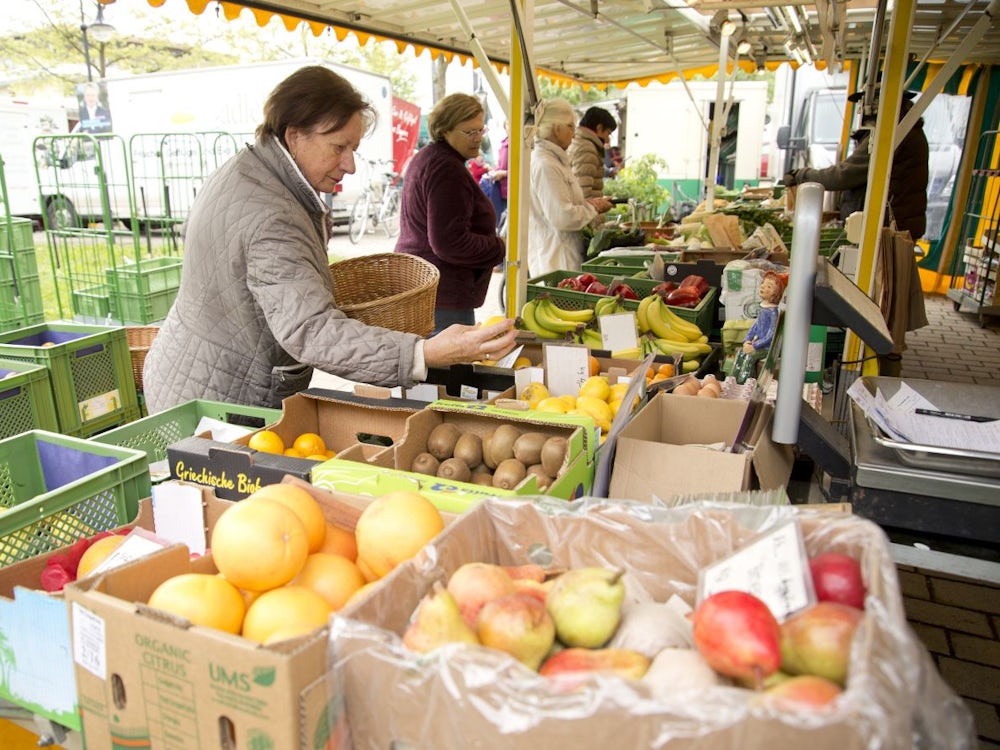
column 304, row 505
column 666, row 369
column 282, row 608
column 202, row 598
column 259, row 544
column 309, row 444
column 393, row 529
column 333, row 577
column 340, row 542
column 96, row 553
column 595, row 365
column 293, row 453
column 317, row 457
column 267, row 441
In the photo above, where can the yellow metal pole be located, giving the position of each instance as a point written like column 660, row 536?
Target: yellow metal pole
column 516, row 270
column 880, row 163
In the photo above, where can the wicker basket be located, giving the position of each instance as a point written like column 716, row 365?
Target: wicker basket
column 139, row 340
column 391, row 290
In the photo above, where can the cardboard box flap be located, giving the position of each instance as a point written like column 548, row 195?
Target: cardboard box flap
column 373, row 396
column 683, row 470
column 772, row 462
column 895, row 696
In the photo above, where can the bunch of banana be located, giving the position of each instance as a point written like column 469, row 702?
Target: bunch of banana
column 591, row 338
column 670, row 333
column 547, row 321
column 608, row 306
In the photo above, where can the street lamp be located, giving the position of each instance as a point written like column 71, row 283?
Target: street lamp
column 101, row 32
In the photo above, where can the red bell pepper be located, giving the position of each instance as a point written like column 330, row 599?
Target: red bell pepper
column 664, row 287
column 683, row 296
column 570, row 282
column 623, row 290
column 586, row 279
column 696, row 282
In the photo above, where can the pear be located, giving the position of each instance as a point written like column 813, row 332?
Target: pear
column 437, row 621
column 586, row 605
column 738, row 636
column 817, row 641
column 519, row 625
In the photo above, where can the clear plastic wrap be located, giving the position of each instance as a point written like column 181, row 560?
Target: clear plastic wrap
column 462, row 697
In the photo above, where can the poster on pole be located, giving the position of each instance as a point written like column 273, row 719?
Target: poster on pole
column 405, row 129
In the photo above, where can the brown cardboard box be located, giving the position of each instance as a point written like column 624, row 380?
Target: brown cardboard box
column 660, row 453
column 462, row 696
column 147, row 679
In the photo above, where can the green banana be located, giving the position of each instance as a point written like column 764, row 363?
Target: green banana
column 688, row 351
column 530, row 323
column 690, row 365
column 591, row 338
column 684, row 327
column 607, row 306
column 546, row 317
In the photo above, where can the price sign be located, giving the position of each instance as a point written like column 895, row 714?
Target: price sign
column 618, row 331
column 566, row 367
column 773, row 567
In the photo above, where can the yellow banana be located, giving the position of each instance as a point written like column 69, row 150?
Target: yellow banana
column 632, row 353
column 642, row 314
column 703, row 339
column 684, row 327
column 530, row 323
column 658, row 323
column 687, row 351
column 690, row 365
column 546, row 317
column 575, row 316
column 606, row 306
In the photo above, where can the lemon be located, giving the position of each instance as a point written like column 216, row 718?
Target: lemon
column 493, row 320
column 553, row 404
column 534, row 393
column 266, row 441
column 595, row 386
column 522, row 362
column 598, row 409
column 617, row 392
column 569, row 399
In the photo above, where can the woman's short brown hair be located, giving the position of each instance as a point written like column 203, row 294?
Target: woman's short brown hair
column 450, row 111
column 316, row 99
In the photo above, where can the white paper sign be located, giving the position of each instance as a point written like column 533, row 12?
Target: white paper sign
column 566, row 367
column 178, row 515
column 509, row 359
column 618, row 331
column 525, row 377
column 89, row 642
column 773, row 567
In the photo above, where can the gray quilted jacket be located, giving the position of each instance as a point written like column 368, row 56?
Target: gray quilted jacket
column 255, row 311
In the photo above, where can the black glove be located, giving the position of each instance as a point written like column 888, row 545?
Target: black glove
column 790, row 178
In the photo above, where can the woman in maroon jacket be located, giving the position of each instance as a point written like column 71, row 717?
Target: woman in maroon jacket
column 445, row 217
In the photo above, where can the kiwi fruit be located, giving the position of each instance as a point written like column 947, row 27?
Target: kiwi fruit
column 502, row 444
column 454, row 469
column 488, row 451
column 441, row 441
column 528, row 448
column 553, row 455
column 469, row 448
column 484, row 478
column 425, row 463
column 544, row 479
column 510, row 473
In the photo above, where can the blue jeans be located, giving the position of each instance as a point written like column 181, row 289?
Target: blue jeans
column 445, row 318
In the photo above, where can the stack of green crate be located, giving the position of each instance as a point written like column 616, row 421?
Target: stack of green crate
column 20, row 290
column 90, row 370
column 25, row 399
column 142, row 293
column 60, row 489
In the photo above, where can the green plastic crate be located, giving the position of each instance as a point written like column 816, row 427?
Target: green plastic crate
column 25, row 399
column 20, row 264
column 142, row 309
column 703, row 315
column 90, row 370
column 18, row 238
column 145, row 277
column 55, row 489
column 21, row 303
column 628, row 264
column 92, row 302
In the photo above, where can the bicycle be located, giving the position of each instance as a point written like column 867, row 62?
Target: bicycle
column 378, row 203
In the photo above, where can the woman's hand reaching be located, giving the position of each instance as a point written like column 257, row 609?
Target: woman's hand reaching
column 459, row 344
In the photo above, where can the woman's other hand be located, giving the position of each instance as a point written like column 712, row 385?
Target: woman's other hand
column 459, row 344
column 600, row 203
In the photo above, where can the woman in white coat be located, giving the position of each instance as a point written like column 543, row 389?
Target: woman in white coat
column 558, row 209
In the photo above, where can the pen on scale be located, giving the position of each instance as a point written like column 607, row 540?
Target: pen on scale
column 955, row 415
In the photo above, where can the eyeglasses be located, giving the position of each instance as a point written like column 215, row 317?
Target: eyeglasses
column 474, row 133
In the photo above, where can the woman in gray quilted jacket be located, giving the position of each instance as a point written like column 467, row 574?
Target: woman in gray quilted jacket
column 255, row 311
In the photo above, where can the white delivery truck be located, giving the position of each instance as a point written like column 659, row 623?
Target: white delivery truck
column 666, row 121
column 21, row 122
column 174, row 128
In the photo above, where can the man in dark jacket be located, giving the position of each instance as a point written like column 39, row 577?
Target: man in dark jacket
column 907, row 181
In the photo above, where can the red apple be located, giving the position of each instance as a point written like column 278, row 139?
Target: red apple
column 837, row 578
column 738, row 636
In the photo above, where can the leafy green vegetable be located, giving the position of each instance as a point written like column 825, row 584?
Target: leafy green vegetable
column 607, row 237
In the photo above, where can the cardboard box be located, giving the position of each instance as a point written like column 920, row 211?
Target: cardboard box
column 660, row 453
column 148, row 680
column 343, row 420
column 389, row 470
column 461, row 696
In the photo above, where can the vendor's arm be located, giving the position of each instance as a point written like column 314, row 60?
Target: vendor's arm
column 852, row 172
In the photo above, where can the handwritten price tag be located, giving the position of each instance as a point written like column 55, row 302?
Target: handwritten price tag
column 773, row 567
column 566, row 367
column 618, row 331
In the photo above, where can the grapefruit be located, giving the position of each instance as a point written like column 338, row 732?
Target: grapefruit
column 259, row 544
column 96, row 553
column 203, row 599
column 302, row 504
column 340, row 541
column 393, row 529
column 333, row 577
column 282, row 608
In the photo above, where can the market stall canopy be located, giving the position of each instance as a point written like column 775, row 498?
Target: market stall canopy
column 621, row 41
